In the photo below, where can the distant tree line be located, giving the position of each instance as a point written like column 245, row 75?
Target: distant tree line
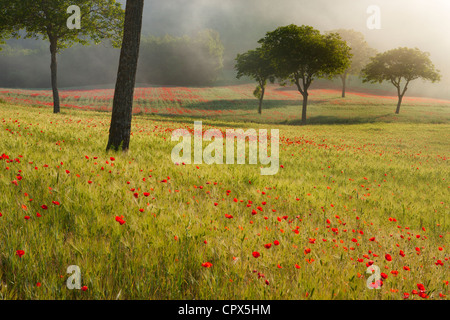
column 168, row 60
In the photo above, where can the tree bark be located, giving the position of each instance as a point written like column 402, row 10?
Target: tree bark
column 120, row 129
column 263, row 89
column 400, row 96
column 305, row 104
column 54, row 73
column 399, row 103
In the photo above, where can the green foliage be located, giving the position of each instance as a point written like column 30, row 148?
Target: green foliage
column 257, row 65
column 303, row 53
column 401, row 63
column 48, row 20
column 183, row 60
column 360, row 50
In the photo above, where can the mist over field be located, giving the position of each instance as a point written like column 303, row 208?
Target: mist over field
column 240, row 24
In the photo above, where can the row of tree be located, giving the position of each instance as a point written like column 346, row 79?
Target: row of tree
column 300, row 54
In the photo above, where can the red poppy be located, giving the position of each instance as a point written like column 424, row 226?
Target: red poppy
column 120, row 220
column 388, row 257
column 256, row 254
column 276, row 242
column 20, row 253
column 268, row 245
column 207, row 264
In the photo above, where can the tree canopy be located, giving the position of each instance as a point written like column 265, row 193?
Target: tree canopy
column 401, row 66
column 257, row 65
column 301, row 54
column 360, row 50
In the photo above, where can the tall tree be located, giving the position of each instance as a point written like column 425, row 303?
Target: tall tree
column 360, row 50
column 401, row 65
column 47, row 19
column 120, row 129
column 256, row 65
column 302, row 54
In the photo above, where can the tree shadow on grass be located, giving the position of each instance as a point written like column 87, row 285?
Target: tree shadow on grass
column 246, row 104
column 330, row 120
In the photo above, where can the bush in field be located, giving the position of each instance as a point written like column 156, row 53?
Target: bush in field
column 184, row 60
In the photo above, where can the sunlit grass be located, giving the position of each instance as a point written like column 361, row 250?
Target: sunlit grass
column 353, row 178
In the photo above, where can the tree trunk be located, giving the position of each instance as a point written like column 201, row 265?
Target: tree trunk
column 54, row 74
column 305, row 103
column 400, row 98
column 401, row 95
column 344, row 83
column 120, row 129
column 261, row 100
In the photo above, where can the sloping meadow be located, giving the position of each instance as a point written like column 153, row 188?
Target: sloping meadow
column 139, row 226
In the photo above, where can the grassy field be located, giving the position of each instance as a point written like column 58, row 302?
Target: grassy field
column 359, row 186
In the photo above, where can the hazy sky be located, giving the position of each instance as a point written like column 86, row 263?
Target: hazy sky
column 413, row 23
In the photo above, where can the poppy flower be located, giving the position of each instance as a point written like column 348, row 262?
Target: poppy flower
column 255, row 254
column 84, row 288
column 207, row 264
column 423, row 295
column 388, row 257
column 268, row 245
column 276, row 242
column 120, row 220
column 20, row 253
column 439, row 263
